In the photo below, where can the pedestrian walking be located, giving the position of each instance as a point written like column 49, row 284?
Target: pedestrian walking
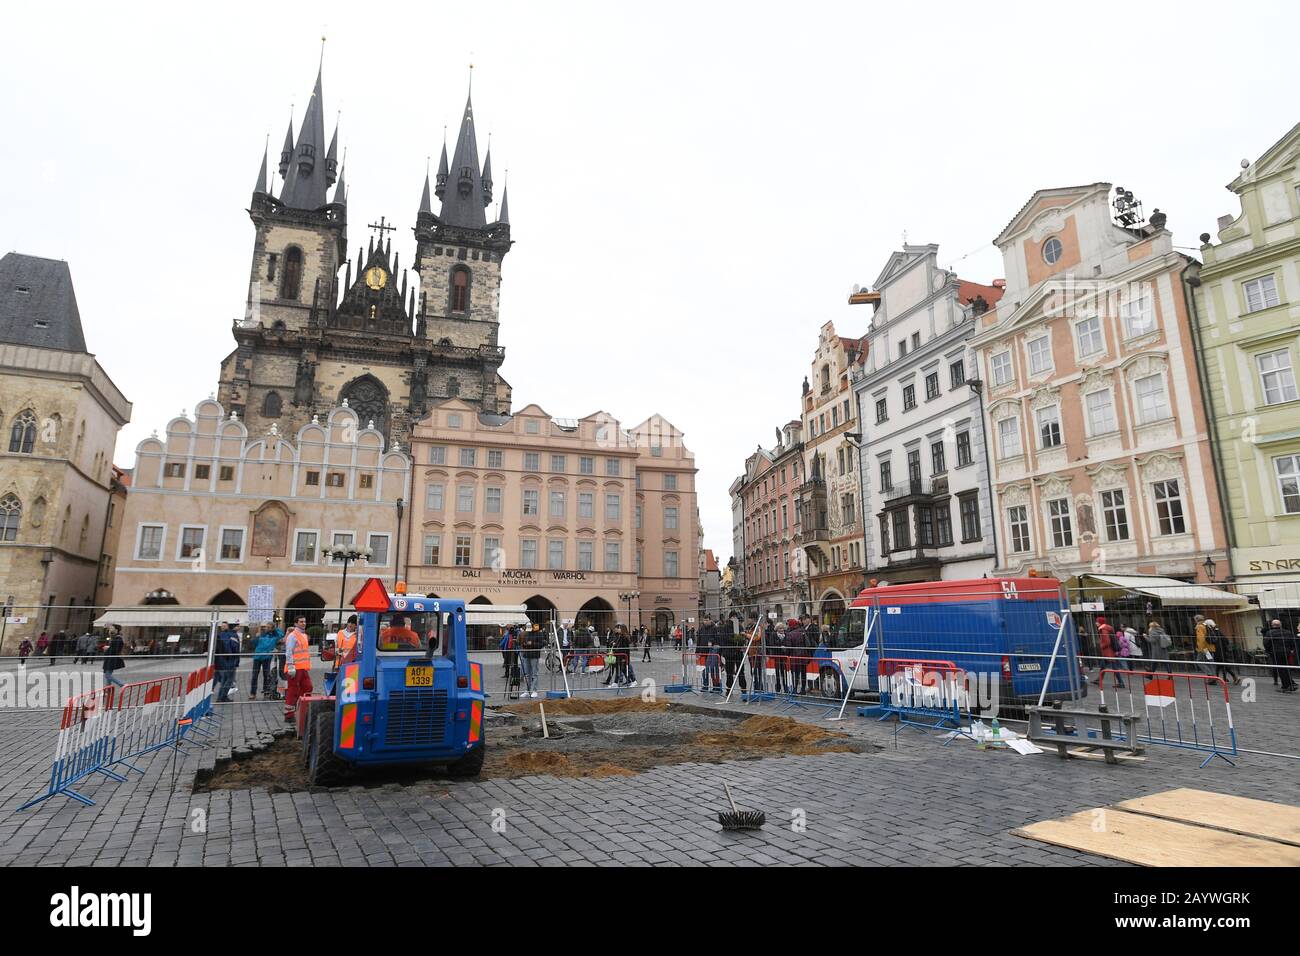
column 733, row 655
column 1158, row 643
column 43, row 644
column 777, row 653
column 226, row 660
column 113, row 659
column 756, row 655
column 1109, row 642
column 24, row 650
column 85, row 648
column 297, row 651
column 1277, row 644
column 530, row 652
column 713, row 659
column 796, row 643
column 1225, row 652
column 263, row 652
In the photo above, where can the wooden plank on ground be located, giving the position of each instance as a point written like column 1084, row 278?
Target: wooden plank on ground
column 1259, row 818
column 1148, row 841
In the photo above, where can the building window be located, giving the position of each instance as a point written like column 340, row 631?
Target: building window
column 232, row 544
column 613, row 556
column 192, row 542
column 1114, row 514
column 586, row 465
column 492, row 500
column 886, row 476
column 151, row 542
column 532, row 427
column 202, row 472
column 847, row 510
column 670, row 481
column 432, row 549
column 226, row 473
column 1169, row 507
column 909, row 397
column 460, row 290
column 555, row 554
column 882, row 410
column 884, row 536
column 970, row 518
column 613, row 467
column 963, row 449
column 367, row 481
column 1052, row 250
column 1058, row 512
column 914, row 469
column 957, row 373
column 433, row 497
column 1277, row 376
column 437, row 454
column 613, row 507
column 1001, row 365
column 304, row 547
column 468, row 457
column 1152, row 405
column 532, row 502
column 272, row 405
column 453, row 419
column 1101, row 412
column 1287, row 469
column 925, row 527
column 1139, row 315
column 932, row 385
column 1088, row 334
column 11, row 516
column 1040, row 354
column 492, row 556
column 378, row 544
column 902, row 533
column 495, row 458
column 637, row 521
column 558, row 463
column 334, row 479
column 1018, row 523
column 465, row 498
column 938, row 465
column 586, row 557
column 1261, row 293
column 464, row 542
column 943, row 525
column 532, row 461
column 557, row 504
column 291, row 281
column 670, row 564
column 1009, row 437
column 586, row 504
column 670, row 519
column 174, row 469
column 1049, row 427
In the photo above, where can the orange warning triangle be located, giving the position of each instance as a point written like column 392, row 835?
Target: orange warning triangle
column 371, row 597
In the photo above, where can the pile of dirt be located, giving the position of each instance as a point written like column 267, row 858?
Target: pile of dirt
column 523, row 763
column 278, row 768
column 780, row 734
column 581, row 706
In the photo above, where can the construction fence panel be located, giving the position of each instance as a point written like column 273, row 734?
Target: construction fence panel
column 1183, row 710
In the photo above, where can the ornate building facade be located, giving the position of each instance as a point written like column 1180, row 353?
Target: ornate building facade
column 321, row 327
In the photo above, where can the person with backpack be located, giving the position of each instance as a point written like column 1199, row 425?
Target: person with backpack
column 1159, row 642
column 1110, row 656
column 263, row 651
column 1225, row 652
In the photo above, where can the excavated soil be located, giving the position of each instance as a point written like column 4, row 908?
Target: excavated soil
column 589, row 738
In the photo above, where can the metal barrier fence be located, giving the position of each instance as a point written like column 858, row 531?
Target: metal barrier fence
column 921, row 693
column 1175, row 722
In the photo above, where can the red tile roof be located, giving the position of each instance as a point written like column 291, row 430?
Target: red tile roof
column 967, row 290
column 710, row 562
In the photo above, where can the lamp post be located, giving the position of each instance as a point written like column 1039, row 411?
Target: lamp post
column 347, row 554
column 1210, row 567
column 629, row 597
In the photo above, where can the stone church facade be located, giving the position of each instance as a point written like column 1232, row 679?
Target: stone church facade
column 322, row 329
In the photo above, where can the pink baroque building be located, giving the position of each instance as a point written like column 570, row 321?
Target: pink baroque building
column 1099, row 453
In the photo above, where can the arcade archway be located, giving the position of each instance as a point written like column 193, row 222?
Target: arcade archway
column 598, row 613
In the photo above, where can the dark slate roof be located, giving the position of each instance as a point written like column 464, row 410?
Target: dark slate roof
column 45, row 315
column 305, row 184
column 457, row 209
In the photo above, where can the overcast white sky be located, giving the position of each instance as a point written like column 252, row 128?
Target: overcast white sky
column 694, row 187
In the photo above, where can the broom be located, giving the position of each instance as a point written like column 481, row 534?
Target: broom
column 740, row 819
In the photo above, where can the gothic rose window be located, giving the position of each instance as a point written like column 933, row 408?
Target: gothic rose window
column 369, row 399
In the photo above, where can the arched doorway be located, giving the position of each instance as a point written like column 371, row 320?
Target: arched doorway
column 480, row 600
column 663, row 622
column 307, row 603
column 226, row 598
column 539, row 610
column 368, row 397
column 599, row 614
column 832, row 609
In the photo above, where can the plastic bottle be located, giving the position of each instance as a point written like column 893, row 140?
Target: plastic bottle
column 997, row 733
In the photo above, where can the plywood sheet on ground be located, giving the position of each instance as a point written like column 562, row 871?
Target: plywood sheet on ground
column 1149, row 841
column 1260, row 818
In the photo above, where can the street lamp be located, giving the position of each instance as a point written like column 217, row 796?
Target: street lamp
column 1210, row 567
column 629, row 597
column 347, row 554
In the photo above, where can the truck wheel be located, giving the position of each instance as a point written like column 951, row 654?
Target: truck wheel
column 470, row 765
column 830, row 684
column 306, row 744
column 324, row 767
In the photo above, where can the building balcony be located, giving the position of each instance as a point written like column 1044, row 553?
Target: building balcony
column 919, row 488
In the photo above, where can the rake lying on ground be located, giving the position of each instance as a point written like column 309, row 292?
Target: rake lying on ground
column 740, row 819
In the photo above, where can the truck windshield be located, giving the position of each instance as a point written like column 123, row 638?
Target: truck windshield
column 409, row 633
column 848, row 630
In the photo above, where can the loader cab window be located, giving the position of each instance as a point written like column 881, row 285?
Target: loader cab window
column 409, row 632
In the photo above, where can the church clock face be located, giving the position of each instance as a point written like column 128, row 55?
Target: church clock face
column 376, row 278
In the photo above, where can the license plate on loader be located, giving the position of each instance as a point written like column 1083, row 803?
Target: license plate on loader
column 420, row 676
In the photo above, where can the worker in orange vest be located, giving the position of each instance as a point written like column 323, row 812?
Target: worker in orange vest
column 297, row 653
column 345, row 643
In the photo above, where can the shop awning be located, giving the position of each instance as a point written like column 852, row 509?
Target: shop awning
column 1279, row 596
column 1167, row 591
column 168, row 616
column 495, row 614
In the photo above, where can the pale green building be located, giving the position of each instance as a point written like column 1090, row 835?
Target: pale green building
column 1246, row 304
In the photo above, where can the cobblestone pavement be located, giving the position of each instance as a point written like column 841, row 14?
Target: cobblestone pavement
column 918, row 804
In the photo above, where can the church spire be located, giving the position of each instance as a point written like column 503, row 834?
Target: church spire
column 504, row 215
column 441, row 188
column 260, row 185
column 341, row 190
column 332, row 157
column 308, row 175
column 462, row 203
column 426, row 204
column 286, row 152
column 486, row 178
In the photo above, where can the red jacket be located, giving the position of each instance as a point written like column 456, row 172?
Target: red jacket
column 1107, row 634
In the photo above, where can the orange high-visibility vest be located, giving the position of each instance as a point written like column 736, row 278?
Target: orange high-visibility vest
column 301, row 659
column 345, row 644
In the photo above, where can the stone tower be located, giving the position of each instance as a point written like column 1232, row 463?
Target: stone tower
column 388, row 343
